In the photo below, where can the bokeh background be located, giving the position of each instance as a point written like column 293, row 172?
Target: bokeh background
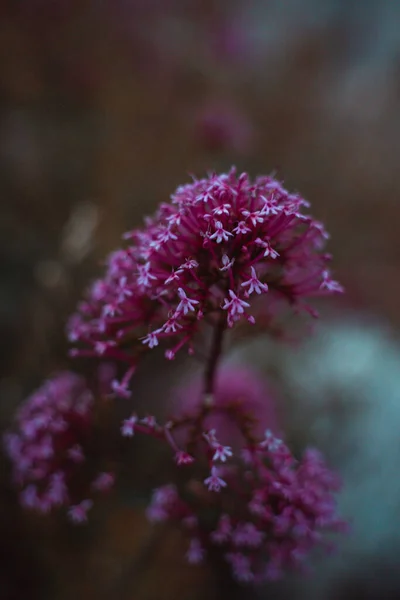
column 106, row 106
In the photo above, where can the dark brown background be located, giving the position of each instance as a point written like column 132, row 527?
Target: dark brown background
column 100, row 104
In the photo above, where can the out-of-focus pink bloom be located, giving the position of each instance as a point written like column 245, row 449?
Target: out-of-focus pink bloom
column 128, row 426
column 47, row 449
column 214, row 483
column 78, row 513
column 278, row 510
column 236, row 386
column 195, row 554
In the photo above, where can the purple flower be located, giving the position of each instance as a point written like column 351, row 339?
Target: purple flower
column 78, row 513
column 53, row 427
column 195, row 554
column 75, row 453
column 241, row 566
column 185, row 305
column 235, row 307
column 214, row 483
column 223, row 531
column 220, row 233
column 183, row 458
column 46, row 449
column 162, row 503
column 279, row 509
column 254, row 284
column 57, row 493
column 222, row 452
column 247, row 535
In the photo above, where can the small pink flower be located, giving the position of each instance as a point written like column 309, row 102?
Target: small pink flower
column 175, row 276
column 253, row 217
column 150, row 421
column 164, row 495
column 156, row 514
column 241, row 566
column 57, row 492
column 269, row 251
column 222, row 452
column 227, row 263
column 29, row 497
column 190, row 263
column 220, row 234
column 186, row 304
column 247, row 535
column 145, row 277
column 53, row 426
column 330, row 284
column 223, row 531
column 214, row 483
column 171, row 326
column 75, row 453
column 210, row 437
column 235, row 306
column 241, row 228
column 162, row 502
column 271, row 442
column 195, row 554
column 128, row 426
column 183, row 458
column 253, row 284
column 78, row 513
column 151, row 339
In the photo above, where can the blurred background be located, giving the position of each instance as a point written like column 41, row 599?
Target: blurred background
column 106, row 107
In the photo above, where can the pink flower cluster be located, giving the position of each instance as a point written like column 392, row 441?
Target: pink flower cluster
column 263, row 508
column 281, row 509
column 220, row 242
column 47, row 450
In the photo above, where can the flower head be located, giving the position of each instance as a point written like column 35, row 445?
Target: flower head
column 269, row 517
column 47, row 449
column 220, row 240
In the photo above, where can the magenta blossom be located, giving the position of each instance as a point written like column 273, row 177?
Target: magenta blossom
column 47, row 449
column 254, row 500
column 281, row 510
column 220, row 242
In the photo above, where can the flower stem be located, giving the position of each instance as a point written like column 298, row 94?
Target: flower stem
column 216, row 350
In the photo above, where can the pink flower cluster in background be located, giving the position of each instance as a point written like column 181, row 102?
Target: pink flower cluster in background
column 47, row 450
column 264, row 509
column 236, row 387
